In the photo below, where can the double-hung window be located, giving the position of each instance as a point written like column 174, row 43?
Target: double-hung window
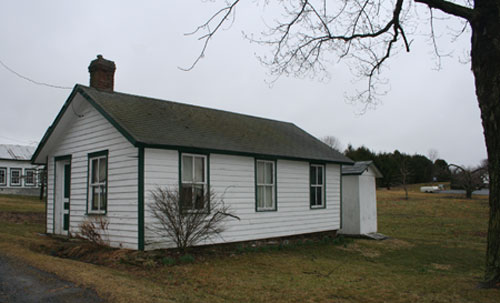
column 194, row 189
column 3, row 176
column 98, row 182
column 15, row 176
column 265, row 186
column 317, row 187
column 30, row 177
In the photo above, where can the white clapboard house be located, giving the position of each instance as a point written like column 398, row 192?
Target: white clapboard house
column 107, row 150
column 17, row 175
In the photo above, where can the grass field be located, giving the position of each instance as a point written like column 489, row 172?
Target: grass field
column 435, row 254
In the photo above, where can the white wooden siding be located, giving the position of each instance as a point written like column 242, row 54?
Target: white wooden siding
column 233, row 177
column 161, row 169
column 92, row 133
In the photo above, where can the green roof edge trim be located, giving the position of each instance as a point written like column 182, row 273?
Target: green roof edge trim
column 53, row 125
column 202, row 150
column 110, row 119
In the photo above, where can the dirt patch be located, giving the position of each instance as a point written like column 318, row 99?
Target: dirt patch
column 481, row 234
column 364, row 251
column 22, row 217
column 441, row 266
column 398, row 244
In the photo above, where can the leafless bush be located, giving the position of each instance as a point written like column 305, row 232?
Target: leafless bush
column 94, row 229
column 468, row 178
column 187, row 226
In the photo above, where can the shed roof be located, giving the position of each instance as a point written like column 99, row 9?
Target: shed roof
column 16, row 152
column 151, row 122
column 359, row 168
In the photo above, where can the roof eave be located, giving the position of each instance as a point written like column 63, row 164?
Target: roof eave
column 237, row 153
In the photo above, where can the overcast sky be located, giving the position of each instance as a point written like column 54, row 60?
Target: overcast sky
column 54, row 42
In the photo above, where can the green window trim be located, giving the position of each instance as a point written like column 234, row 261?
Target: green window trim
column 274, row 185
column 206, row 177
column 19, row 177
column 101, row 185
column 317, row 184
column 33, row 176
column 4, row 176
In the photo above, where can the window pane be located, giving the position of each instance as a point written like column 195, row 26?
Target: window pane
column 312, row 174
column 187, row 196
column 199, row 169
column 2, row 176
column 95, row 198
column 320, row 174
column 319, row 195
column 269, row 196
column 187, row 168
column 269, row 173
column 103, row 197
column 102, row 170
column 313, row 196
column 260, row 197
column 15, row 175
column 199, row 201
column 260, row 172
column 95, row 170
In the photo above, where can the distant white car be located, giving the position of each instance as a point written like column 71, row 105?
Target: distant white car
column 430, row 189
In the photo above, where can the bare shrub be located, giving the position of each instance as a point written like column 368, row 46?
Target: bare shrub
column 95, row 229
column 187, row 226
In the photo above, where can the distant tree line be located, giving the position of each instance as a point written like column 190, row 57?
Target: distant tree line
column 399, row 168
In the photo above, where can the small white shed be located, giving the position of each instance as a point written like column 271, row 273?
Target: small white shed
column 359, row 198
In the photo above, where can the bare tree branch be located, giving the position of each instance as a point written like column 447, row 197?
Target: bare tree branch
column 226, row 13
column 450, row 8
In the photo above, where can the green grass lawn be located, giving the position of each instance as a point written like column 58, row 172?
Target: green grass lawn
column 435, row 254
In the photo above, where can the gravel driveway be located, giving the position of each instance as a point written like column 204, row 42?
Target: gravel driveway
column 23, row 283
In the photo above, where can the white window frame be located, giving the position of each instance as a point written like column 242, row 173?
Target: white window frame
column 4, row 183
column 98, row 185
column 272, row 185
column 315, row 186
column 20, row 171
column 204, row 182
column 33, row 171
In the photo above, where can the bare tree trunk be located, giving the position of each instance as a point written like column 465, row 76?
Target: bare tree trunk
column 485, row 54
column 468, row 193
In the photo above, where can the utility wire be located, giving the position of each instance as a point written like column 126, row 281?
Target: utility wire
column 31, row 80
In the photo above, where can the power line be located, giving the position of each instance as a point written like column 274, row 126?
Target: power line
column 31, row 80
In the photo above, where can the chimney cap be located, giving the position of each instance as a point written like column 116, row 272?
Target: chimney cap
column 101, row 63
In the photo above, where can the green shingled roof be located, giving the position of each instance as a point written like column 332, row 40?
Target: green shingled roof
column 158, row 123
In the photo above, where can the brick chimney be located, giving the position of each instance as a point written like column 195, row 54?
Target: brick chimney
column 102, row 73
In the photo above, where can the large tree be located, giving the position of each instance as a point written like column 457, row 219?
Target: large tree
column 308, row 33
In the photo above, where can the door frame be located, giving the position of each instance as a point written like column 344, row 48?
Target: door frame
column 58, row 209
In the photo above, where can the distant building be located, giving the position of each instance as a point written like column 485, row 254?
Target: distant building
column 17, row 175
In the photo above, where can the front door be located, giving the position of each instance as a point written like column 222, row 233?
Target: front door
column 62, row 196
